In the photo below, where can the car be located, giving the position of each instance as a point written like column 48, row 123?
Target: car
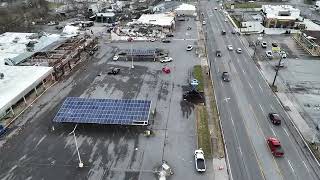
column 115, row 58
column 199, row 160
column 233, row 32
column 52, row 23
column 218, row 53
column 166, row 70
column 192, row 96
column 114, row 71
column 275, row 147
column 152, row 40
column 59, row 27
column 189, row 47
column 181, row 19
column 226, row 20
column 189, row 28
column 281, row 65
column 239, row 50
column 169, row 35
column 215, row 8
column 275, row 118
column 274, row 44
column 225, row 77
column 283, row 54
column 230, row 48
column 264, row 44
column 204, row 22
column 165, row 40
column 223, row 32
column 269, row 54
column 166, row 59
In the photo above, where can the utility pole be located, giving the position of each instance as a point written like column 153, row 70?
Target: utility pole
column 277, row 70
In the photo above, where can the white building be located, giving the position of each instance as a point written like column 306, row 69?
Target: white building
column 186, row 10
column 163, row 20
column 280, row 16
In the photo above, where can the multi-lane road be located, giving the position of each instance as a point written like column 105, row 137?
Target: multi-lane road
column 244, row 104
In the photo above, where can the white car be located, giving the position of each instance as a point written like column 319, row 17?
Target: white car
column 166, row 59
column 204, row 22
column 230, row 48
column 199, row 160
column 215, row 8
column 283, row 54
column 189, row 47
column 264, row 44
column 269, row 54
column 226, row 20
column 239, row 50
column 115, row 58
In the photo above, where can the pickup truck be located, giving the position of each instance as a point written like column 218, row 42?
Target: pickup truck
column 199, row 160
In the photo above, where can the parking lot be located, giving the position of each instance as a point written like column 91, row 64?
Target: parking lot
column 35, row 148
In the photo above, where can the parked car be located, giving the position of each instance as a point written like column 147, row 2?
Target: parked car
column 275, row 147
column 165, row 40
column 223, row 32
column 166, row 59
column 204, row 22
column 275, row 118
column 230, row 48
column 169, row 35
column 269, row 54
column 274, row 44
column 233, row 32
column 166, row 70
column 52, row 23
column 239, row 50
column 218, row 53
column 152, row 40
column 114, row 71
column 226, row 76
column 115, row 58
column 264, row 44
column 283, row 54
column 199, row 160
column 189, row 28
column 189, row 47
column 215, row 8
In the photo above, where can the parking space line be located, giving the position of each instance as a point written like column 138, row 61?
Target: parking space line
column 286, row 132
column 290, row 165
column 261, row 109
column 272, row 107
column 273, row 131
column 250, row 85
column 305, row 165
column 260, row 87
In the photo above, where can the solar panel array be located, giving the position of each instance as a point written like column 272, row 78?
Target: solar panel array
column 104, row 111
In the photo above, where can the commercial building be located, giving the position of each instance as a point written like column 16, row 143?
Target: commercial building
column 280, row 16
column 186, row 10
column 164, row 20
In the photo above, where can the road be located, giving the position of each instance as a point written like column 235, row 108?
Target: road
column 243, row 106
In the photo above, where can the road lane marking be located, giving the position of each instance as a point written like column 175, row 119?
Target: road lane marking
column 272, row 107
column 262, row 109
column 290, row 165
column 260, row 87
column 286, row 132
column 240, row 150
column 232, row 121
column 250, row 85
column 273, row 132
column 305, row 165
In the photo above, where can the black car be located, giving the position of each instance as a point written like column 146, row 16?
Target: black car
column 114, row 70
column 275, row 118
column 274, row 45
column 223, row 32
column 225, row 76
column 165, row 40
column 218, row 53
column 169, row 35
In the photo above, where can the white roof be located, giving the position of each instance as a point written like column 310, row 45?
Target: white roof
column 276, row 11
column 107, row 14
column 156, row 19
column 184, row 7
column 70, row 30
column 311, row 26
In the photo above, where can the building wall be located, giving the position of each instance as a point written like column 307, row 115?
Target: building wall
column 278, row 23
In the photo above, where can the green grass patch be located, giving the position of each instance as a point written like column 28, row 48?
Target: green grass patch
column 236, row 21
column 315, row 148
column 197, row 74
column 246, row 5
column 204, row 140
column 53, row 5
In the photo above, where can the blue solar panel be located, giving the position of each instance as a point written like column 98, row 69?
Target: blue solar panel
column 104, row 111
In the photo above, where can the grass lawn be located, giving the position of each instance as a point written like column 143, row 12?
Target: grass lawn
column 53, row 5
column 197, row 74
column 204, row 140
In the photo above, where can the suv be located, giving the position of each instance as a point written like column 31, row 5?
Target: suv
column 225, row 77
column 275, row 118
column 218, row 53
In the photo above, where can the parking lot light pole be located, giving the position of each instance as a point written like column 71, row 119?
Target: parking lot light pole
column 75, row 140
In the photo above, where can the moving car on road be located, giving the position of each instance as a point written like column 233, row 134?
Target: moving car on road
column 199, row 160
column 204, row 22
column 275, row 147
column 115, row 58
column 230, row 48
column 114, row 70
column 275, row 118
column 189, row 47
column 166, row 59
column 165, row 40
column 218, row 53
column 169, row 35
column 225, row 77
column 239, row 50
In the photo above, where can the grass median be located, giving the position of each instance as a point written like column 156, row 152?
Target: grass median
column 204, row 140
column 197, row 74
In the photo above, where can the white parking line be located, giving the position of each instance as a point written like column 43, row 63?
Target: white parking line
column 286, row 132
column 305, row 165
column 232, row 121
column 261, row 109
column 260, row 87
column 240, row 150
column 273, row 132
column 272, row 107
column 290, row 165
column 250, row 85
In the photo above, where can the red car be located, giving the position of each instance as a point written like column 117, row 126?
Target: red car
column 275, row 118
column 166, row 70
column 275, row 147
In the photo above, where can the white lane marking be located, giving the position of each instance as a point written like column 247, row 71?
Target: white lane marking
column 286, row 132
column 290, row 165
column 262, row 109
column 218, row 69
column 240, row 150
column 250, row 85
column 260, row 87
column 305, row 165
column 232, row 121
column 272, row 107
column 221, row 83
column 273, row 132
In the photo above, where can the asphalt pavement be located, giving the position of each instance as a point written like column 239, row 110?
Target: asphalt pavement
column 244, row 104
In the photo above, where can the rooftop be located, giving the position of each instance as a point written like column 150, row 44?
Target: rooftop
column 186, row 7
column 156, row 19
column 281, row 12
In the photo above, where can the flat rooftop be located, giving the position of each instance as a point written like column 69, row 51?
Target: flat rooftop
column 287, row 12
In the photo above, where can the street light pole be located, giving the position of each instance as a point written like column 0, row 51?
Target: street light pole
column 132, row 66
column 75, row 140
column 277, row 70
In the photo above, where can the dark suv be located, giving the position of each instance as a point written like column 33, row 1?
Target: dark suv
column 225, row 76
column 218, row 53
column 275, row 118
column 223, row 32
